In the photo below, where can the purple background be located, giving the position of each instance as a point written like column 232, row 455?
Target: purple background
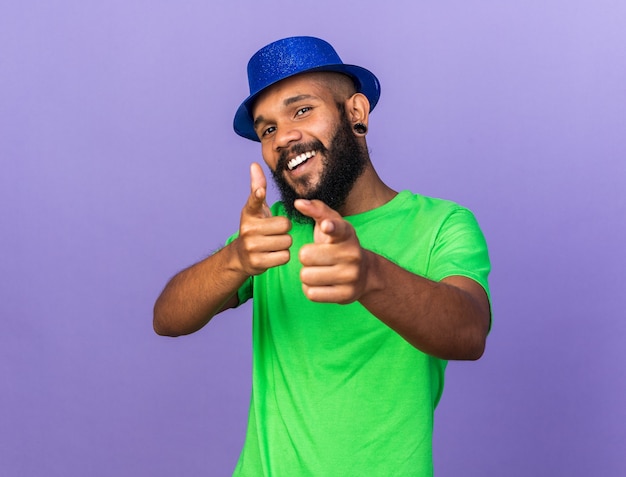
column 119, row 167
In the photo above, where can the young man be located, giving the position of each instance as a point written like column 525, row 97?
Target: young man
column 360, row 293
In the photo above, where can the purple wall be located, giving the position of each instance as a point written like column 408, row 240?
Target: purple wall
column 119, row 167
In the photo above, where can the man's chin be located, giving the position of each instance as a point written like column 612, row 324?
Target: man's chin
column 302, row 187
column 289, row 194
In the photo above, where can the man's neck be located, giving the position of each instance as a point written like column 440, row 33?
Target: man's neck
column 369, row 192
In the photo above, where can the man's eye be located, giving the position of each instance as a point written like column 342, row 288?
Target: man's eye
column 301, row 111
column 269, row 130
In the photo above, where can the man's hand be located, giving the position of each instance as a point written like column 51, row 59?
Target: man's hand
column 334, row 265
column 263, row 240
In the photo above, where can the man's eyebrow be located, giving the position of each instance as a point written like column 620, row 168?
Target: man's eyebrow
column 258, row 121
column 295, row 99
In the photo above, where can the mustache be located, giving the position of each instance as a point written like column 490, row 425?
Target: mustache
column 297, row 149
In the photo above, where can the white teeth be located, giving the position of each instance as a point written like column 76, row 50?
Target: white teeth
column 296, row 161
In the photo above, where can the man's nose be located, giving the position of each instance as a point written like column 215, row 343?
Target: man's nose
column 285, row 136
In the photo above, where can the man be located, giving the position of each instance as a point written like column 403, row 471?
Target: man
column 360, row 293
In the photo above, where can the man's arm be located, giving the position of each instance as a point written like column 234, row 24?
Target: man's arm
column 448, row 319
column 195, row 295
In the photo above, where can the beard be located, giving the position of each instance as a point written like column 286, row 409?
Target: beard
column 343, row 163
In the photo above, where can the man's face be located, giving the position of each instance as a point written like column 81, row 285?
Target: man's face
column 308, row 142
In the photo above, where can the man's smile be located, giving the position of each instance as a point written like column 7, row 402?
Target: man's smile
column 300, row 159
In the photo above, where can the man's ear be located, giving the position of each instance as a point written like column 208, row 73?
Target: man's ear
column 358, row 108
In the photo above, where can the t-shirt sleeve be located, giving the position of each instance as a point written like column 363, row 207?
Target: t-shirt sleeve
column 460, row 249
column 245, row 291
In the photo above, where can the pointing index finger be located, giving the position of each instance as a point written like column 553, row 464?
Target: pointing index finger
column 316, row 209
column 258, row 187
column 327, row 221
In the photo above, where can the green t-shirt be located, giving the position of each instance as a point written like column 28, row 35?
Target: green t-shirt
column 336, row 392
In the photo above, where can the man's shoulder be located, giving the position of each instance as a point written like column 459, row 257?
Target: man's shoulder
column 429, row 205
column 431, row 200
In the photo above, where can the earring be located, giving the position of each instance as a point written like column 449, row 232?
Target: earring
column 360, row 129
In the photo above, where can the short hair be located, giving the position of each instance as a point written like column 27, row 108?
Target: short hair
column 341, row 85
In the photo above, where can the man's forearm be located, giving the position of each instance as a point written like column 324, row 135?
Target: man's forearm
column 196, row 294
column 448, row 319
